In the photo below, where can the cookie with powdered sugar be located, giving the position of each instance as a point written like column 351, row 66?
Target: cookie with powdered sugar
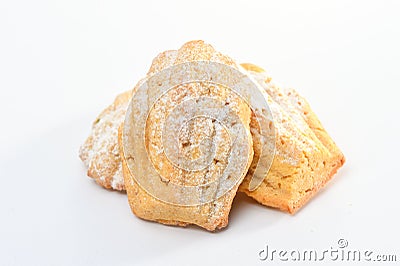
column 100, row 151
column 199, row 135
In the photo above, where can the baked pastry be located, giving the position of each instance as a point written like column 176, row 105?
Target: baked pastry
column 100, row 151
column 306, row 157
column 199, row 134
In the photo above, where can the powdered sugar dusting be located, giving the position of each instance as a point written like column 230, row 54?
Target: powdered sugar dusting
column 100, row 152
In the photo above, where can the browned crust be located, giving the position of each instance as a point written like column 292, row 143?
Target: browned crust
column 213, row 215
column 252, row 67
column 295, row 207
column 292, row 201
column 145, row 211
column 283, row 203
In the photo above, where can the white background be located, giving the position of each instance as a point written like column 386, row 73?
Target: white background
column 62, row 62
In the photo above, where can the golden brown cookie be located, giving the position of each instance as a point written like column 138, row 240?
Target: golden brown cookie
column 306, row 157
column 195, row 137
column 100, row 151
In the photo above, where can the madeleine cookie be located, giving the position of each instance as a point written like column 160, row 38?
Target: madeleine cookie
column 100, row 151
column 186, row 149
column 306, row 157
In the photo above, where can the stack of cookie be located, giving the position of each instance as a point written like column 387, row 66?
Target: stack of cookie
column 182, row 153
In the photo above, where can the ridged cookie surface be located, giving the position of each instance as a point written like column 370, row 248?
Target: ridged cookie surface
column 197, row 137
column 306, row 157
column 100, row 151
column 305, row 160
